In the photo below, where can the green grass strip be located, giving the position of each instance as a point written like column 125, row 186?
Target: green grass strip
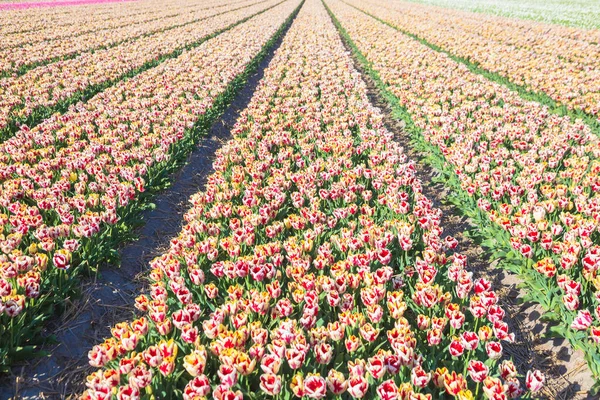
column 494, row 239
column 536, row 14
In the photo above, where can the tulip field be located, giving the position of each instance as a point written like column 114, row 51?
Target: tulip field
column 315, row 262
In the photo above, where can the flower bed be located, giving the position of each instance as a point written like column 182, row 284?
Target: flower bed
column 78, row 23
column 529, row 179
column 30, row 98
column 549, row 59
column 70, row 186
column 58, row 3
column 311, row 265
column 68, row 18
column 16, row 60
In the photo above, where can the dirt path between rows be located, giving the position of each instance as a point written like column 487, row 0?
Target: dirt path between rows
column 567, row 374
column 109, row 298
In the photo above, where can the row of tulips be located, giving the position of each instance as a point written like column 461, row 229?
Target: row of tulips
column 531, row 178
column 68, row 186
column 80, row 23
column 540, row 57
column 17, row 60
column 36, row 95
column 524, row 33
column 312, row 265
column 40, row 19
